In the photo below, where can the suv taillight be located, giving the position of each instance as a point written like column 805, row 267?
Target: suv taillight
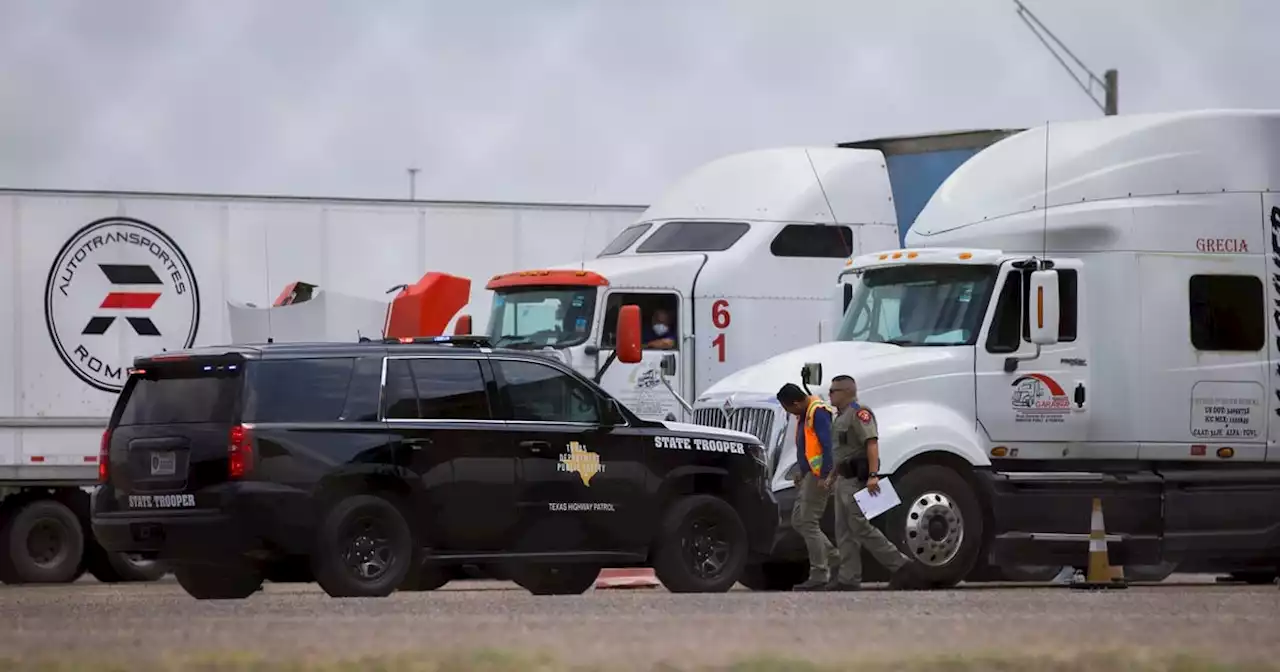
column 240, row 452
column 104, row 456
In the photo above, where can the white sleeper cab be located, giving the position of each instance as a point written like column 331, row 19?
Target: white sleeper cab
column 1081, row 310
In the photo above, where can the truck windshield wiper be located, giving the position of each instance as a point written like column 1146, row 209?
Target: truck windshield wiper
column 900, row 342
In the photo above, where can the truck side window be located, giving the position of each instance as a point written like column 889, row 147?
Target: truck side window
column 821, row 241
column 1003, row 335
column 450, row 389
column 650, row 305
column 1066, row 299
column 1227, row 313
column 541, row 393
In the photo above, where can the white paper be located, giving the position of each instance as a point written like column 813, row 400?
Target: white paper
column 874, row 505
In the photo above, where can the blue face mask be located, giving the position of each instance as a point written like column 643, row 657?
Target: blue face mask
column 660, row 329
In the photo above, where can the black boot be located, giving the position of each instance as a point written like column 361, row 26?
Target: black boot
column 908, row 577
column 812, row 585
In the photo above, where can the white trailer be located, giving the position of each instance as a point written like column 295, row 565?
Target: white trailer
column 1083, row 310
column 91, row 279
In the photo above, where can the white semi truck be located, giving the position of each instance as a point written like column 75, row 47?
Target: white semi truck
column 740, row 252
column 1082, row 310
column 91, row 279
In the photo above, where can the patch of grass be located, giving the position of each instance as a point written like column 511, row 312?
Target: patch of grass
column 498, row 660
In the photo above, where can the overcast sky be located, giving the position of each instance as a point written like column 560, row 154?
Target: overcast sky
column 562, row 100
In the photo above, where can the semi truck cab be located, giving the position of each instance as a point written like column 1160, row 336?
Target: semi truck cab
column 734, row 261
column 1112, row 335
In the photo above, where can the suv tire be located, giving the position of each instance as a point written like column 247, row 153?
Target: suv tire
column 701, row 547
column 768, row 576
column 218, row 582
column 546, row 579
column 42, row 541
column 364, row 548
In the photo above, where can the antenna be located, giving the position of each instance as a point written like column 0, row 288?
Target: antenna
column 848, row 245
column 1110, row 82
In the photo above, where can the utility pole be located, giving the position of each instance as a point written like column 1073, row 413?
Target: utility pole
column 1110, row 83
column 413, row 184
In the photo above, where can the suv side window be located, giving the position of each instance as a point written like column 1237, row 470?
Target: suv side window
column 540, row 393
column 450, row 389
column 298, row 390
column 399, row 395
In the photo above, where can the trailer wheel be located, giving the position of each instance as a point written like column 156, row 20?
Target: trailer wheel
column 43, row 542
column 939, row 524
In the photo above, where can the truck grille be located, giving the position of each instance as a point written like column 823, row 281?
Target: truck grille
column 757, row 421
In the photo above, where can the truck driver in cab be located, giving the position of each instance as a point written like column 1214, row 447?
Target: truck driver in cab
column 661, row 332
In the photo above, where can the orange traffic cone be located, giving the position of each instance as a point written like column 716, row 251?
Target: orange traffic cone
column 631, row 577
column 1101, row 574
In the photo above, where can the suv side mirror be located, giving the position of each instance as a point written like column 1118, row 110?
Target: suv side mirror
column 668, row 364
column 811, row 373
column 1044, row 306
column 628, row 339
column 463, row 326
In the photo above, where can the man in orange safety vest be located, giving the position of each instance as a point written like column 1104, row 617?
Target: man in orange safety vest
column 814, row 462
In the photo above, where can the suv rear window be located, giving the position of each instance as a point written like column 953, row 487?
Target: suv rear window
column 298, row 390
column 182, row 394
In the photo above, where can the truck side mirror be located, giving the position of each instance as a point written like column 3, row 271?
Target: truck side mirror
column 463, row 326
column 1044, row 307
column 628, row 338
column 811, row 373
column 668, row 364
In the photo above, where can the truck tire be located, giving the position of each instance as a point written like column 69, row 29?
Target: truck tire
column 218, row 582
column 544, row 579
column 364, row 548
column 42, row 542
column 939, row 524
column 701, row 546
column 771, row 576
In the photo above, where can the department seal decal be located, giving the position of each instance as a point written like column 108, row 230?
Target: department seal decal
column 119, row 288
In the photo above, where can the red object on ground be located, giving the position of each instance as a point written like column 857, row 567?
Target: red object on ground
column 631, row 577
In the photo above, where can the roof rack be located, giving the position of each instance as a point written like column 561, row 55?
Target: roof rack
column 457, row 341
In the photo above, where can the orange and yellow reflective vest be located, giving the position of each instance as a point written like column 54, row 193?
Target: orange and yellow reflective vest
column 813, row 437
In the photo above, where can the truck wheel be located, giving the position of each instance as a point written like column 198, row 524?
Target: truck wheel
column 218, row 582
column 701, row 547
column 768, row 576
column 939, row 524
column 540, row 579
column 364, row 548
column 43, row 542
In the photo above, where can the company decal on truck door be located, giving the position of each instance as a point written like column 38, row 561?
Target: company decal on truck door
column 1039, row 398
column 1226, row 410
column 119, row 288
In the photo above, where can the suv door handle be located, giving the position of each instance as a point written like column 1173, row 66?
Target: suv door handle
column 418, row 443
column 535, row 446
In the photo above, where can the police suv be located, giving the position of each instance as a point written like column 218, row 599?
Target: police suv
column 390, row 465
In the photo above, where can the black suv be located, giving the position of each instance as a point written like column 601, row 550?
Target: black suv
column 391, row 465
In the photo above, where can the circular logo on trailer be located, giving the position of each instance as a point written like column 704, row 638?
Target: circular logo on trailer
column 119, row 288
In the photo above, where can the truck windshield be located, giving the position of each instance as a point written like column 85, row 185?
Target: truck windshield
column 537, row 317
column 925, row 305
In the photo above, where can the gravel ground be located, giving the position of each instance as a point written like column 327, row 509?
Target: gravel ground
column 638, row 628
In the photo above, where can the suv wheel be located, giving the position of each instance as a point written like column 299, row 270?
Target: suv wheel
column 218, row 582
column 702, row 546
column 570, row 579
column 364, row 548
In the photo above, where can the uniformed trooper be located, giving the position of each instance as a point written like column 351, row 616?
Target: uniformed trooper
column 857, row 457
column 813, row 464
